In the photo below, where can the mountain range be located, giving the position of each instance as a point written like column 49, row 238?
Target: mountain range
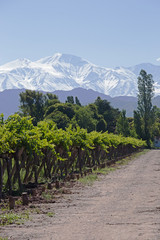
column 67, row 72
column 68, row 75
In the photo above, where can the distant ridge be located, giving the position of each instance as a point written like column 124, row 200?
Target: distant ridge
column 9, row 99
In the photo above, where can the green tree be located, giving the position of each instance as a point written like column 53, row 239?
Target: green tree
column 109, row 113
column 35, row 104
column 1, row 118
column 122, row 126
column 70, row 99
column 138, row 124
column 77, row 101
column 32, row 104
column 101, row 125
column 156, row 120
column 84, row 118
column 61, row 119
column 145, row 95
column 65, row 108
column 51, row 99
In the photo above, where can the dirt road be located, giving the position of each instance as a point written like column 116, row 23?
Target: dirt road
column 123, row 205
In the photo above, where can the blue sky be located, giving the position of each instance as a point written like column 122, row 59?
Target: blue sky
column 108, row 33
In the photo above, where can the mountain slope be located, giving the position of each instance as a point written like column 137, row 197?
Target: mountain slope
column 66, row 72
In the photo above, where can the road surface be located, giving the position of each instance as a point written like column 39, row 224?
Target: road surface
column 123, row 205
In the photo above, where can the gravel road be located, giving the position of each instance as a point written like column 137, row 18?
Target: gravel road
column 123, row 205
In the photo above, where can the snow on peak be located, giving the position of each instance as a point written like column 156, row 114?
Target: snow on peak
column 18, row 63
column 66, row 71
column 50, row 59
column 59, row 58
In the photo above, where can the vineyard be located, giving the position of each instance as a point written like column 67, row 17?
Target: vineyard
column 31, row 153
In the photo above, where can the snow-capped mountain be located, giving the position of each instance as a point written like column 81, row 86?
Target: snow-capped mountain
column 66, row 72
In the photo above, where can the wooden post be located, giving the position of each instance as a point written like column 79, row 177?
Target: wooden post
column 95, row 168
column 79, row 159
column 34, row 192
column 77, row 175
column 35, row 168
column 25, row 198
column 49, row 186
column 16, row 157
column 72, row 176
column 11, row 202
column 90, row 170
column 1, row 180
column 43, row 188
column 9, row 176
column 57, row 184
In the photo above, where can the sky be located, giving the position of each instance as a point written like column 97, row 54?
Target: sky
column 108, row 33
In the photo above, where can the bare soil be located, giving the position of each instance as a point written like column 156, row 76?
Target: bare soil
column 123, row 205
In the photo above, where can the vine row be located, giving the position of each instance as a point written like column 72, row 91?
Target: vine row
column 32, row 153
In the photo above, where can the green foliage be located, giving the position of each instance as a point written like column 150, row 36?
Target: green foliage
column 77, row 102
column 66, row 141
column 70, row 99
column 144, row 115
column 108, row 113
column 50, row 214
column 1, row 119
column 34, row 104
column 83, row 117
column 47, row 196
column 99, row 115
column 51, row 99
column 64, row 108
column 101, row 125
column 138, row 124
column 89, row 180
column 13, row 218
column 61, row 119
column 31, row 152
column 122, row 126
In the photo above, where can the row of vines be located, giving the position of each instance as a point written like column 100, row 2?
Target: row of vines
column 31, row 153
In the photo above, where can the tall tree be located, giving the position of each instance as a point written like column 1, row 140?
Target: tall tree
column 32, row 103
column 138, row 124
column 35, row 104
column 122, row 126
column 84, row 118
column 77, row 101
column 109, row 113
column 145, row 95
column 70, row 99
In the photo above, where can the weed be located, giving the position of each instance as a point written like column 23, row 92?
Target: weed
column 4, row 207
column 18, row 202
column 10, row 218
column 88, row 180
column 104, row 171
column 50, row 214
column 37, row 210
column 47, row 196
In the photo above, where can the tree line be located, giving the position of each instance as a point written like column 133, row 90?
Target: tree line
column 32, row 154
column 99, row 116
